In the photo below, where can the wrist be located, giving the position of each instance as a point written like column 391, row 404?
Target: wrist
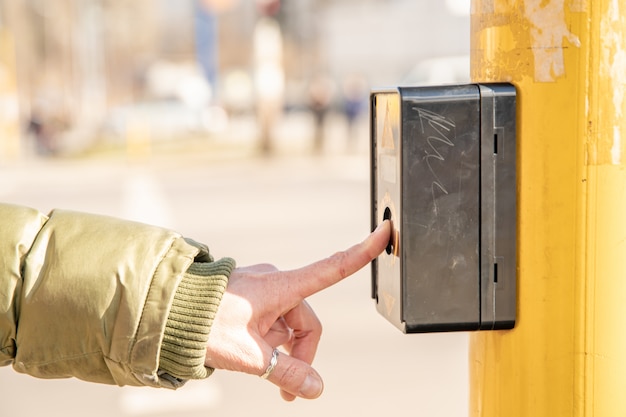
column 197, row 298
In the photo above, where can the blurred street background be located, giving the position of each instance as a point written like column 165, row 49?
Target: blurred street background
column 242, row 124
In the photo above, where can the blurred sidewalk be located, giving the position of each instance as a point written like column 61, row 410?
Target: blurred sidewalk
column 239, row 136
column 290, row 210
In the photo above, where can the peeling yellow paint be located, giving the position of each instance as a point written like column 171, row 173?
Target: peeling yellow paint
column 532, row 39
column 613, row 72
column 616, row 149
column 578, row 6
column 547, row 33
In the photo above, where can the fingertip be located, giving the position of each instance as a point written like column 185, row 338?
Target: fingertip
column 384, row 225
column 381, row 236
column 287, row 396
column 312, row 387
column 296, row 378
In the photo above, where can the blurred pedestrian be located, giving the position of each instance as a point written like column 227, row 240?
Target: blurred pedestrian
column 355, row 95
column 43, row 132
column 321, row 91
column 269, row 73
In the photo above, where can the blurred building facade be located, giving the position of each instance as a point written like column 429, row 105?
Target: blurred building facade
column 69, row 63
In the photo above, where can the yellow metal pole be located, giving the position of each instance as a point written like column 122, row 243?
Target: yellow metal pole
column 567, row 353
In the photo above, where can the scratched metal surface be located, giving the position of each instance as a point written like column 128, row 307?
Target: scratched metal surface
column 441, row 217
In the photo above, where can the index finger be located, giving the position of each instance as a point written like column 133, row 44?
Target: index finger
column 322, row 274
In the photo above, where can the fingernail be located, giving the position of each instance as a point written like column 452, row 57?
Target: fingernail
column 311, row 387
column 380, row 225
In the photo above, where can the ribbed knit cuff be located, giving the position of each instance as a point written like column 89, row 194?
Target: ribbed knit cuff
column 188, row 325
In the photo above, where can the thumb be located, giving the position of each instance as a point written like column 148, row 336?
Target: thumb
column 296, row 378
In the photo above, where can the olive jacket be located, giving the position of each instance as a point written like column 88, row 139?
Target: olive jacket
column 104, row 300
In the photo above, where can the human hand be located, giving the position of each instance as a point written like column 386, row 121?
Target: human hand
column 264, row 308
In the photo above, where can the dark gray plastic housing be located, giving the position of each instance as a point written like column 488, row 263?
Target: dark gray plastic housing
column 443, row 164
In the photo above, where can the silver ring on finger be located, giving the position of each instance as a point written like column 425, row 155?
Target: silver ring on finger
column 271, row 366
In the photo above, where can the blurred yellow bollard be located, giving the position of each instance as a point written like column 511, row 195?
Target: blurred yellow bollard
column 138, row 139
column 567, row 354
column 9, row 104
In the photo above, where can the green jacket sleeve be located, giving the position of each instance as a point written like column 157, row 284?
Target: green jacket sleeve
column 104, row 300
